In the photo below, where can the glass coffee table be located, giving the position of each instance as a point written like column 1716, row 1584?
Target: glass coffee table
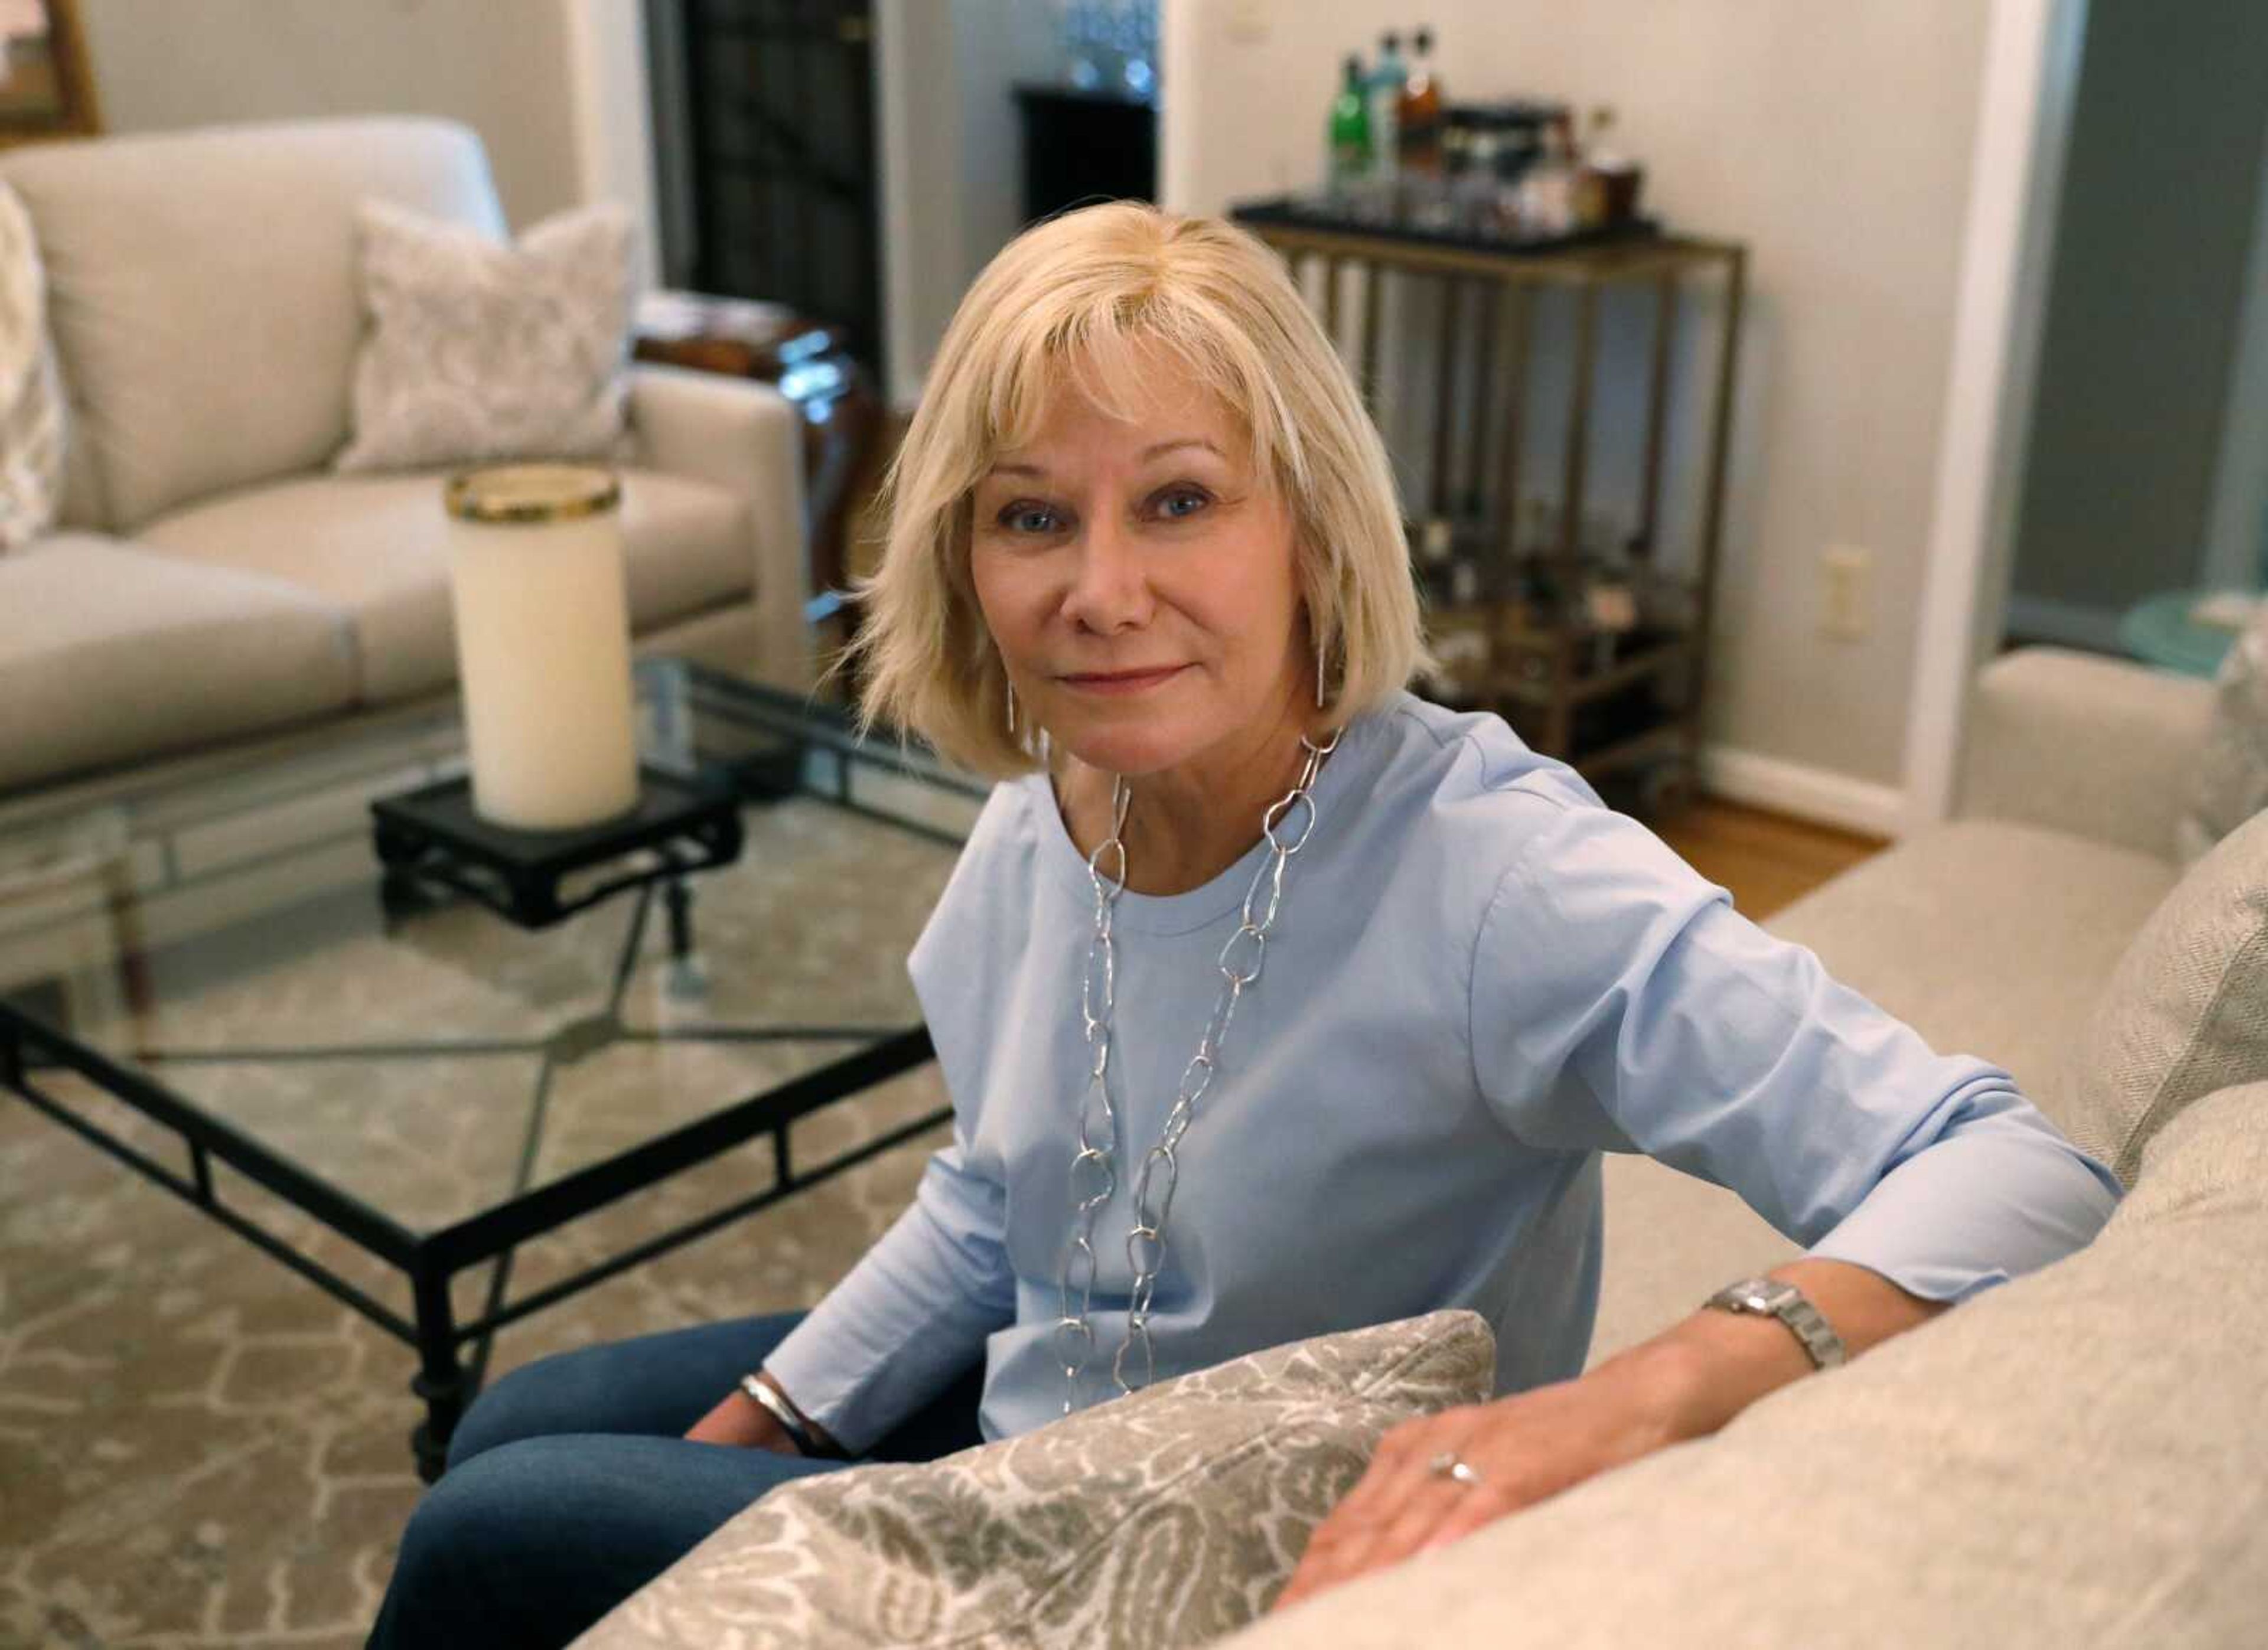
column 206, row 962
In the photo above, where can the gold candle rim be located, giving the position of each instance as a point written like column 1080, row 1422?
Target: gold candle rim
column 532, row 493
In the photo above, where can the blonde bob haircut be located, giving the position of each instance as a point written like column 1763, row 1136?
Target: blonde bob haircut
column 1063, row 305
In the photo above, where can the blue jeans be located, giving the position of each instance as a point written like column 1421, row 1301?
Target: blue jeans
column 569, row 1485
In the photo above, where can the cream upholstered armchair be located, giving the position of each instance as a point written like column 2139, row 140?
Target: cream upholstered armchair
column 205, row 312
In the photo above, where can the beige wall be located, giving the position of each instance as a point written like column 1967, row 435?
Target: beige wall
column 1835, row 142
column 503, row 67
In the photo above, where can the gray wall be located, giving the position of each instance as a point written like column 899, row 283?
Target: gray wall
column 951, row 157
column 2161, row 189
column 500, row 66
column 919, row 109
column 998, row 43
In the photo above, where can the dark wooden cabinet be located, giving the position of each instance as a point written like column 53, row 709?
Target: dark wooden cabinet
column 1081, row 147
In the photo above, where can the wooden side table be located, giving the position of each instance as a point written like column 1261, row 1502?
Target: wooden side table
column 807, row 362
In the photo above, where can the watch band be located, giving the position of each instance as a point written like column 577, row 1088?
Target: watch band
column 798, row 1430
column 1776, row 1297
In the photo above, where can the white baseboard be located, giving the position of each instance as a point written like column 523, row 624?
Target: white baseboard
column 1817, row 794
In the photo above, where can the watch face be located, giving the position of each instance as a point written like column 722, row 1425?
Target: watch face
column 1758, row 1295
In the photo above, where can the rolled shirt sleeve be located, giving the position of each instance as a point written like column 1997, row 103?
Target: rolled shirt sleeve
column 910, row 1315
column 1619, row 1003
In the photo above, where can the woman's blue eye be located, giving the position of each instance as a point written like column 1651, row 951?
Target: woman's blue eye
column 1021, row 519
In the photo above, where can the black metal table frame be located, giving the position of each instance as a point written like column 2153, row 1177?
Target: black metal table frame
column 445, row 1382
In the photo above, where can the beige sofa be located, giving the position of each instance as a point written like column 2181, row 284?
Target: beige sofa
column 209, row 581
column 2079, row 1456
column 1993, row 933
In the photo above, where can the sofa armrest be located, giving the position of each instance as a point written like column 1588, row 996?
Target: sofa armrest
column 746, row 437
column 2101, row 747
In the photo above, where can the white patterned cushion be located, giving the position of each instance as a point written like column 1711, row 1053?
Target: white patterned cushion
column 1169, row 1517
column 482, row 351
column 31, row 395
column 2231, row 784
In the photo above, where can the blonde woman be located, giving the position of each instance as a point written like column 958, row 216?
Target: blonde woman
column 1272, row 1000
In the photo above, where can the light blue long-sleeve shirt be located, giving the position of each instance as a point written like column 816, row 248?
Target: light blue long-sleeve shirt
column 1482, row 978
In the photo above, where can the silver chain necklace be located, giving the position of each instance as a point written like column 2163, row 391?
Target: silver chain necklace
column 1286, row 825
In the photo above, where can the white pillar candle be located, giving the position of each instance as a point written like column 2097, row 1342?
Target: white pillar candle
column 543, row 651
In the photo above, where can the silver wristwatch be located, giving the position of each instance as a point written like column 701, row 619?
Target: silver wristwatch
column 1774, row 1297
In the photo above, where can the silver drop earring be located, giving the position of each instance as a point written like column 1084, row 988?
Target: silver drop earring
column 1012, row 709
column 1319, row 674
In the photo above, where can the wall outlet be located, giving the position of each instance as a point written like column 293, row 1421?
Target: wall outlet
column 1847, row 612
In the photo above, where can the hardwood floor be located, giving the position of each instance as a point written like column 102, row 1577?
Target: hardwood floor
column 1766, row 861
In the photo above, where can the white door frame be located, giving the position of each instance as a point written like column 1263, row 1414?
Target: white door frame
column 2023, row 129
column 895, row 75
column 609, row 83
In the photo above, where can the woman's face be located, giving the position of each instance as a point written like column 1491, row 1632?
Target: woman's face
column 1139, row 580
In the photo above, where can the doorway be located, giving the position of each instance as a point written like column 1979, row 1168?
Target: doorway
column 765, row 156
column 2145, row 439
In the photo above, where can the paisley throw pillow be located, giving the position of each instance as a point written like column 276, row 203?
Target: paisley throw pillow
column 1169, row 1517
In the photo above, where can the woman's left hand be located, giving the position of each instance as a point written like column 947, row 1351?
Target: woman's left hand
column 1525, row 1447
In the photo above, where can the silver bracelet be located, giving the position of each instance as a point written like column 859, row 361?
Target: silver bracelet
column 798, row 1431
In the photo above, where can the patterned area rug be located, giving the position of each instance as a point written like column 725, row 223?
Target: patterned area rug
column 199, row 1447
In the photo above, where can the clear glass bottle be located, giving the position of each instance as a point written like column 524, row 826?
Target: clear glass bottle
column 1547, row 189
column 1474, row 198
column 1385, row 100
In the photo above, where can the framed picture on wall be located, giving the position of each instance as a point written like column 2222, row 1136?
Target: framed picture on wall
column 46, row 90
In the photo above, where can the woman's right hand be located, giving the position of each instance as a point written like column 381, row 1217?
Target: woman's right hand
column 741, row 1422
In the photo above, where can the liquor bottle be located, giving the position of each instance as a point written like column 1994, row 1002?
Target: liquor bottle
column 1385, row 100
column 1547, row 189
column 1349, row 130
column 1606, row 182
column 1480, row 202
column 1417, row 111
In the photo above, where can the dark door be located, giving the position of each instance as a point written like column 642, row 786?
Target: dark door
column 1083, row 146
column 775, row 130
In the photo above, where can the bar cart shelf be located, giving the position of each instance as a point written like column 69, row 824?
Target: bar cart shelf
column 1611, row 684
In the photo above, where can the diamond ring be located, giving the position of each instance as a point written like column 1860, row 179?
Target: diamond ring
column 1450, row 1465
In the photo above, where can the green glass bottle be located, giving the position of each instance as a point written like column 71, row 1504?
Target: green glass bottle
column 1350, row 151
